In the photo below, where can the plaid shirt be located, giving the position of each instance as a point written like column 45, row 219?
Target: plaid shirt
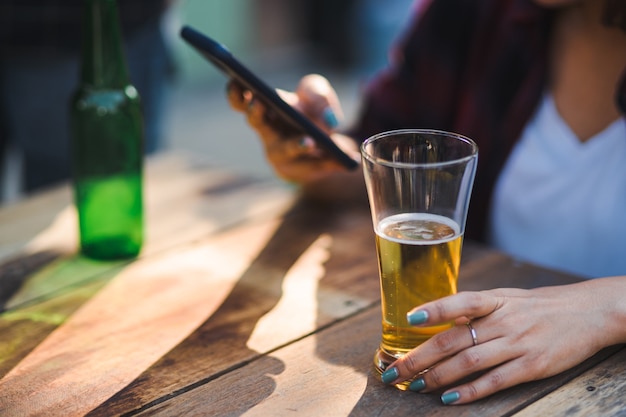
column 475, row 67
column 54, row 26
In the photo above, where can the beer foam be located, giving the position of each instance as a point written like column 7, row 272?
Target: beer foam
column 412, row 227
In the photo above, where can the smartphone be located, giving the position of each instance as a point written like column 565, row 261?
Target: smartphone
column 221, row 57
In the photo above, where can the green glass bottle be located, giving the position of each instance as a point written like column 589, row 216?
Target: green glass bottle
column 107, row 141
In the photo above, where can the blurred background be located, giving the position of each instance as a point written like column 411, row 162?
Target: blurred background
column 281, row 40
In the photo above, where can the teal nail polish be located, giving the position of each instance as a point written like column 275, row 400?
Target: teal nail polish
column 450, row 397
column 417, row 385
column 390, row 375
column 417, row 317
column 329, row 118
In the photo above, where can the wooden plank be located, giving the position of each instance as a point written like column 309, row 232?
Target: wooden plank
column 331, row 373
column 37, row 281
column 21, row 222
column 188, row 206
column 24, row 329
column 350, row 269
column 497, row 270
column 67, row 273
column 185, row 202
column 597, row 392
column 317, row 268
column 13, row 273
column 145, row 311
column 179, row 199
column 169, row 315
column 179, row 319
column 327, row 255
column 28, row 326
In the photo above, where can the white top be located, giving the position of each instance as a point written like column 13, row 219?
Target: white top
column 560, row 202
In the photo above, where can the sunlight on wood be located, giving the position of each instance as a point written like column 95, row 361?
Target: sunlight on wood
column 309, row 397
column 298, row 312
column 62, row 234
column 144, row 312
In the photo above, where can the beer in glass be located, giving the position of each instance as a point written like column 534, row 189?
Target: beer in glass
column 419, row 184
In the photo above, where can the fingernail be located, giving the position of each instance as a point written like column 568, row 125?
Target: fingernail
column 417, row 317
column 329, row 118
column 417, row 385
column 390, row 375
column 450, row 397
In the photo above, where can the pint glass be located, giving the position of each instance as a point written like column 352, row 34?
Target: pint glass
column 419, row 184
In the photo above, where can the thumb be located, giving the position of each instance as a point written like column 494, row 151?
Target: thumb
column 319, row 101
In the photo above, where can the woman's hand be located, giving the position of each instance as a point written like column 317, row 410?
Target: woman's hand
column 295, row 157
column 522, row 335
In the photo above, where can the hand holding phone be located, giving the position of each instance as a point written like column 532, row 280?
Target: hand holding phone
column 221, row 57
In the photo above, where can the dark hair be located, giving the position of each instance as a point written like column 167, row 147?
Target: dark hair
column 614, row 14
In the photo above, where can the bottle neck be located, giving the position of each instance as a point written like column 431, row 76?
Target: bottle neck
column 103, row 63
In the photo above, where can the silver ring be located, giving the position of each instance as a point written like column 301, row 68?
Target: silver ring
column 473, row 333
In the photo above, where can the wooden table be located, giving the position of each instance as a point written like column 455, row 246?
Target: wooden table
column 244, row 301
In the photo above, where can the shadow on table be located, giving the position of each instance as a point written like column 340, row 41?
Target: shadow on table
column 36, row 297
column 15, row 271
column 219, row 345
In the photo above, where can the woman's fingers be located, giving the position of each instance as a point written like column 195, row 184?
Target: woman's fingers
column 288, row 97
column 294, row 157
column 501, row 377
column 314, row 97
column 455, row 344
column 469, row 361
column 514, row 342
column 464, row 304
column 237, row 97
column 318, row 100
column 491, row 367
column 495, row 363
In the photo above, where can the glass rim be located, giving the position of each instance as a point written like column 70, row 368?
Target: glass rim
column 385, row 162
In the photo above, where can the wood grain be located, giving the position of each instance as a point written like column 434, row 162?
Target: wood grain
column 245, row 301
column 341, row 270
column 597, row 392
column 331, row 373
column 184, row 203
column 350, row 259
column 141, row 314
